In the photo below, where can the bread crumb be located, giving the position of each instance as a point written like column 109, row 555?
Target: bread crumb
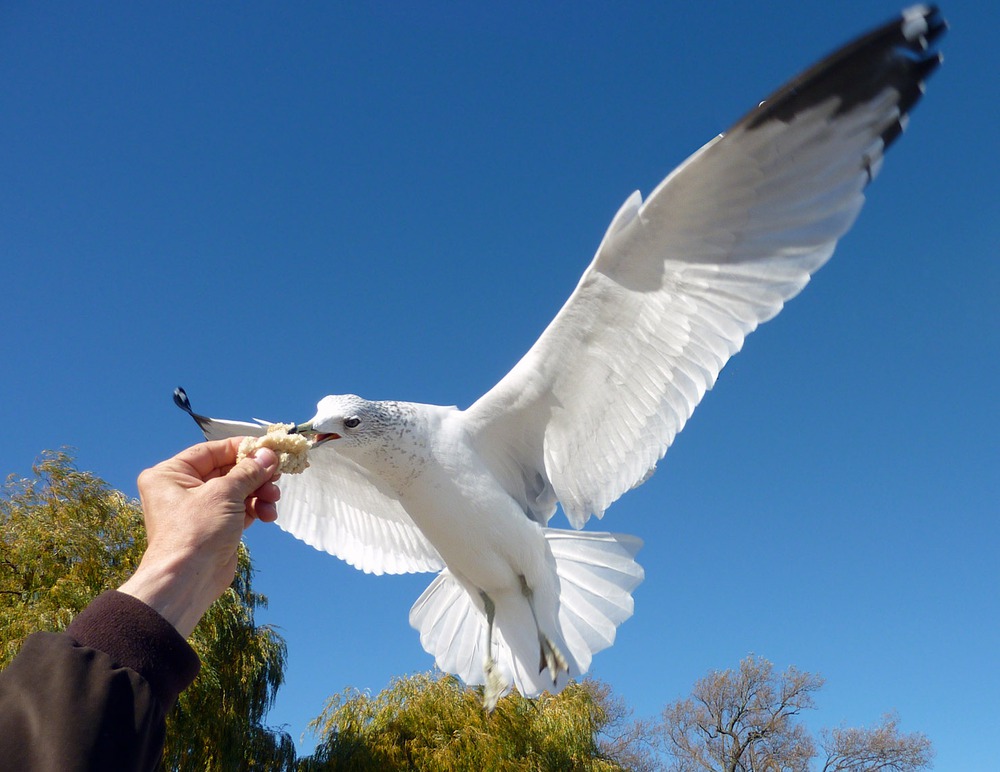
column 292, row 449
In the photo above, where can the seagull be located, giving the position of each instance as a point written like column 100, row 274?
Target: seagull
column 678, row 282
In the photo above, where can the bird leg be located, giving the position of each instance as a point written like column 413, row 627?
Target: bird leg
column 495, row 683
column 550, row 656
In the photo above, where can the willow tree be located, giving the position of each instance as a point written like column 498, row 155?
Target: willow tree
column 433, row 722
column 65, row 537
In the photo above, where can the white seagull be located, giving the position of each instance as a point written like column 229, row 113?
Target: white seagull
column 676, row 285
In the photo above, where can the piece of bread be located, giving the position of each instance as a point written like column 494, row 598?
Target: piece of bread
column 292, row 449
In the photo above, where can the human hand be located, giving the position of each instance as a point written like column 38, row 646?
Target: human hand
column 196, row 506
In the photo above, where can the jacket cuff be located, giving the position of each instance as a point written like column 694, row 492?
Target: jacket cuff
column 136, row 637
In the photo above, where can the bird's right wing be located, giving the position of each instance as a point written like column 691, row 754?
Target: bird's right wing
column 337, row 507
column 681, row 279
column 218, row 428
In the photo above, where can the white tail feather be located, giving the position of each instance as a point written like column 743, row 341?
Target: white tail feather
column 597, row 573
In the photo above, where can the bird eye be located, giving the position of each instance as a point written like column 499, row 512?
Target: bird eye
column 351, row 423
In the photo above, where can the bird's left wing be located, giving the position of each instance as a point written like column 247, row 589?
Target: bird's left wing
column 679, row 281
column 337, row 507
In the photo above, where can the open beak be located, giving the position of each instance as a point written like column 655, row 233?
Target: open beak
column 317, row 437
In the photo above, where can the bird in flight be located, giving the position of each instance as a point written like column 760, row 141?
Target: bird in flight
column 677, row 283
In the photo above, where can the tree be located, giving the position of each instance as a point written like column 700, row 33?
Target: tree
column 433, row 722
column 882, row 747
column 65, row 537
column 218, row 721
column 745, row 721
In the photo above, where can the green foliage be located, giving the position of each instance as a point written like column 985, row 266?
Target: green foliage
column 65, row 537
column 432, row 722
column 218, row 721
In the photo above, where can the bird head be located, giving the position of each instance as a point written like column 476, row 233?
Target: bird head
column 344, row 419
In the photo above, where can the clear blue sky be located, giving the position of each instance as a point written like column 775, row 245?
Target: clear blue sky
column 270, row 203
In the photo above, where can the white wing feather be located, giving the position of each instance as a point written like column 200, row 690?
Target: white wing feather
column 679, row 281
column 220, row 429
column 336, row 506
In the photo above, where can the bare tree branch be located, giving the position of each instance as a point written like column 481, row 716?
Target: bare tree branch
column 876, row 749
column 747, row 721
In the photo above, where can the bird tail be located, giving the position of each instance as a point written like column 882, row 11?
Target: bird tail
column 597, row 573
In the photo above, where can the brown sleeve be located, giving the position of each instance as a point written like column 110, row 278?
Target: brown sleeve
column 97, row 695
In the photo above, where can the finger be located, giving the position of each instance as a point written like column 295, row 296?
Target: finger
column 258, row 509
column 206, row 459
column 250, row 474
column 268, row 492
column 266, row 511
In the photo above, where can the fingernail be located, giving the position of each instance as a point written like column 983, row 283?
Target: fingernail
column 266, row 457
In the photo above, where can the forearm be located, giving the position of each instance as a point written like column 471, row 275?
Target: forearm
column 179, row 590
column 96, row 696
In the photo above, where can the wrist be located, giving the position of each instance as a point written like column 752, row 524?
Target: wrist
column 179, row 590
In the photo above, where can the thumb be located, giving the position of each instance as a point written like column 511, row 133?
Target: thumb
column 248, row 475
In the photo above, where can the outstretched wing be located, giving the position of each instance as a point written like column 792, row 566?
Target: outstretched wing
column 679, row 281
column 337, row 507
column 218, row 428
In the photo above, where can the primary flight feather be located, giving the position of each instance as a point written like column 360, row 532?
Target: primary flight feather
column 677, row 283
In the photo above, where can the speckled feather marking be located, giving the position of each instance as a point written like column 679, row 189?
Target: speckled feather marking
column 401, row 454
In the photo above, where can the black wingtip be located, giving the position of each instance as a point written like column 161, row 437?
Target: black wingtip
column 182, row 401
column 895, row 56
column 937, row 25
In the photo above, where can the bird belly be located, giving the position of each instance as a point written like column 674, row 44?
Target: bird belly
column 480, row 532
